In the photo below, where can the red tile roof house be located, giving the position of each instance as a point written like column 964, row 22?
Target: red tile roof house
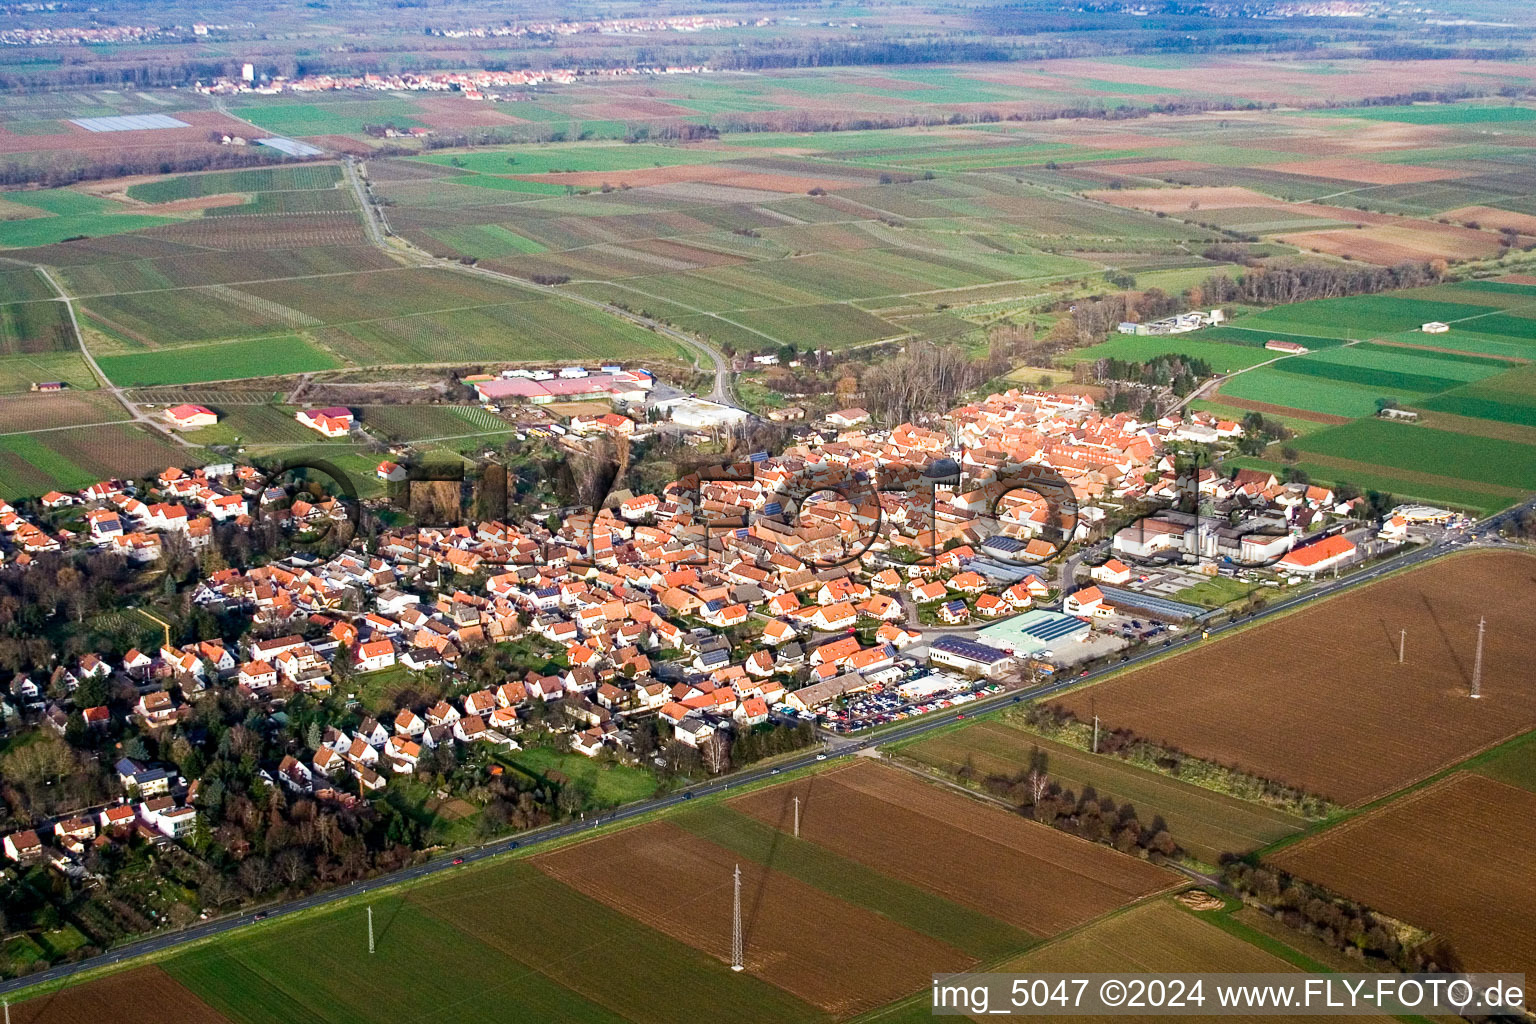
column 1086, row 603
column 23, row 847
column 1319, row 556
column 332, row 421
column 189, row 417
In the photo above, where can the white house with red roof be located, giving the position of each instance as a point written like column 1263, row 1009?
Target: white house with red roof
column 332, row 421
column 190, row 417
column 1114, row 572
column 1086, row 603
column 1319, row 556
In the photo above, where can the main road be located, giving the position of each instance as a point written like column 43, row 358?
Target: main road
column 379, row 234
column 833, row 748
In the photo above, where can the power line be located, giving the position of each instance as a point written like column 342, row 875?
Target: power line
column 1477, row 664
column 736, row 925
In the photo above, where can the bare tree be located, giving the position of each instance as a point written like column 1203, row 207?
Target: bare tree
column 717, row 754
column 1039, row 781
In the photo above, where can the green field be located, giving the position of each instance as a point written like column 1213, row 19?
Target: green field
column 608, row 784
column 1452, row 493
column 1364, row 316
column 624, row 967
column 1437, row 113
column 68, row 460
column 1258, row 336
column 484, row 241
column 1206, row 823
column 19, row 373
column 48, row 230
column 1514, row 763
column 265, row 357
column 256, row 978
column 1407, row 446
column 34, row 327
column 1317, row 394
column 61, row 202
column 347, row 117
column 1509, row 397
column 573, row 157
column 262, row 179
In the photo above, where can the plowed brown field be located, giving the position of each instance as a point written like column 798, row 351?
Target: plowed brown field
column 1371, row 172
column 829, row 953
column 974, row 854
column 145, row 995
column 1458, row 858
column 1318, row 700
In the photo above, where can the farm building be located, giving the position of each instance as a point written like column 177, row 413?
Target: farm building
column 624, row 385
column 1035, row 631
column 700, row 414
column 333, row 421
column 1288, row 347
column 190, row 416
column 847, row 417
column 1328, row 553
column 967, row 655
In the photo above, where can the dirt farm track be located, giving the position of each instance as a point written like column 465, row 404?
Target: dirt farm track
column 1318, row 700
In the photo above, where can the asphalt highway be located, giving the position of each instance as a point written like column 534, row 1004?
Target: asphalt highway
column 835, row 747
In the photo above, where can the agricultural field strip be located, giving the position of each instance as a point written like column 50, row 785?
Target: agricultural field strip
column 232, row 284
column 1096, row 878
column 287, row 330
column 1001, row 745
column 780, row 947
column 68, row 426
column 589, row 933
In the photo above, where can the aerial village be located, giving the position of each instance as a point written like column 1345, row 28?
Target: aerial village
column 859, row 576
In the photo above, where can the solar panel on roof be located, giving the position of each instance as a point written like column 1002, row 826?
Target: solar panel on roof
column 1053, row 629
column 967, row 648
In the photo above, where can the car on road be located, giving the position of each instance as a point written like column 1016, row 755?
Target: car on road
column 821, row 757
column 261, row 916
column 960, row 717
column 687, row 796
column 458, row 860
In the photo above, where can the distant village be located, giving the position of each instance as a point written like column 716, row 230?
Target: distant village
column 471, row 84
